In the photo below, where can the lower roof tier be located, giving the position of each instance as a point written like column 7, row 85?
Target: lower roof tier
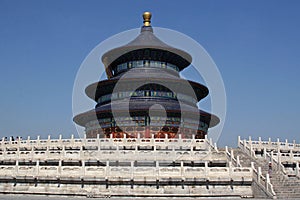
column 152, row 108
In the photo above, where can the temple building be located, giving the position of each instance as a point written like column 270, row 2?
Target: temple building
column 149, row 70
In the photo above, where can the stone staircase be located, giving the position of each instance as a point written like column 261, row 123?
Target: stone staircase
column 245, row 161
column 285, row 187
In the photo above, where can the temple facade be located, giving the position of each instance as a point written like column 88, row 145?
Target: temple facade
column 143, row 79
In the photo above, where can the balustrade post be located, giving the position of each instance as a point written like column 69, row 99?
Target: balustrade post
column 107, row 170
column 157, row 169
column 37, row 168
column 132, row 170
column 83, row 168
column 72, row 139
column 265, row 153
column 98, row 142
column 206, row 170
column 291, row 155
column 239, row 140
column 238, row 161
column 251, row 148
column 110, row 138
column 28, row 140
column 271, row 159
column 258, row 174
column 230, row 169
column 124, row 139
column 49, row 139
column 216, row 147
column 297, row 169
column 279, row 158
column 231, row 155
column 252, row 165
column 47, row 151
column 17, row 168
column 38, row 139
column 267, row 181
column 59, row 168
column 63, row 151
column 278, row 143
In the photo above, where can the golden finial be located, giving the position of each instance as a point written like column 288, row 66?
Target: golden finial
column 147, row 18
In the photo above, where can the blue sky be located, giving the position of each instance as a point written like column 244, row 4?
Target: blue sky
column 255, row 45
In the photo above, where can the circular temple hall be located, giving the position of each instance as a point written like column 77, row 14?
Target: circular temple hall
column 144, row 95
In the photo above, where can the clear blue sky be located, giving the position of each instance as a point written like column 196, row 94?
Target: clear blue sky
column 255, row 44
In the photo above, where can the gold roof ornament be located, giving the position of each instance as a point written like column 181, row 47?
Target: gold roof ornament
column 147, row 18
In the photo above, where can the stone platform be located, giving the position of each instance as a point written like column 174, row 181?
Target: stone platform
column 121, row 167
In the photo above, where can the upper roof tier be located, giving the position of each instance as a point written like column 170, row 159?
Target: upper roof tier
column 146, row 46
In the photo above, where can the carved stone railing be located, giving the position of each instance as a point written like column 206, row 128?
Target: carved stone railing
column 275, row 152
column 107, row 142
column 111, row 173
column 108, row 148
column 231, row 158
column 263, row 182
